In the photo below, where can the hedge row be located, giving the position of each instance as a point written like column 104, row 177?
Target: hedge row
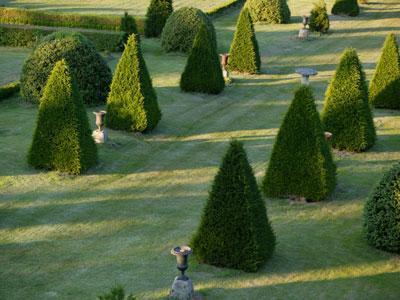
column 18, row 36
column 33, row 17
column 9, row 89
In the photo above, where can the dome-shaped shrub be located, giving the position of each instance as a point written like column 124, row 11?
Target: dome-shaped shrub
column 382, row 213
column 182, row 27
column 346, row 7
column 91, row 72
column 269, row 11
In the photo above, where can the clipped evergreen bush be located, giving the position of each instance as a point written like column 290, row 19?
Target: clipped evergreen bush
column 90, row 70
column 203, row 73
column 382, row 213
column 156, row 16
column 346, row 112
column 234, row 231
column 181, row 29
column 128, row 27
column 384, row 89
column 62, row 140
column 269, row 11
column 244, row 54
column 319, row 19
column 301, row 163
column 346, row 7
column 132, row 102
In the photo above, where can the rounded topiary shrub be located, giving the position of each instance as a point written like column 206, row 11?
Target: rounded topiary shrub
column 269, row 11
column 156, row 16
column 62, row 140
column 319, row 19
column 234, row 230
column 382, row 213
column 90, row 70
column 346, row 7
column 181, row 29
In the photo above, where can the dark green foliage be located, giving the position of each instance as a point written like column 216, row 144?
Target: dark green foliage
column 181, row 29
column 234, row 230
column 203, row 71
column 62, row 140
column 128, row 27
column 346, row 112
column 8, row 90
column 132, row 102
column 382, row 213
column 244, row 53
column 116, row 293
column 346, row 7
column 385, row 85
column 301, row 162
column 156, row 16
column 90, row 70
column 269, row 11
column 223, row 8
column 319, row 19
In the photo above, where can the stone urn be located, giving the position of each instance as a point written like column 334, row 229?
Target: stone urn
column 224, row 63
column 182, row 287
column 100, row 135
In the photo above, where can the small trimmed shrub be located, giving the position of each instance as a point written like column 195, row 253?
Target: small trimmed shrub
column 301, row 162
column 203, row 71
column 384, row 89
column 346, row 112
column 182, row 27
column 132, row 102
column 319, row 19
column 116, row 293
column 156, row 16
column 244, row 53
column 8, row 90
column 234, row 230
column 269, row 11
column 382, row 213
column 90, row 70
column 62, row 140
column 346, row 7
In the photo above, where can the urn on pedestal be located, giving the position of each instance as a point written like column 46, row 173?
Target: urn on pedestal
column 100, row 135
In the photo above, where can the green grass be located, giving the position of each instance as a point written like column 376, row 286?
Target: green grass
column 64, row 237
column 135, row 7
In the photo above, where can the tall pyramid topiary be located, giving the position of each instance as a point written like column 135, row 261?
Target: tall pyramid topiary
column 244, row 53
column 384, row 89
column 62, row 140
column 346, row 7
column 234, row 230
column 382, row 213
column 269, row 11
column 301, row 162
column 346, row 112
column 203, row 71
column 132, row 102
column 156, row 16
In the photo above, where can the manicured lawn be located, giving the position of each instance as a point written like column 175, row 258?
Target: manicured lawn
column 65, row 237
column 135, row 7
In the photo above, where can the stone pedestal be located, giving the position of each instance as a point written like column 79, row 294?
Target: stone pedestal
column 182, row 289
column 100, row 136
column 305, row 80
column 304, row 33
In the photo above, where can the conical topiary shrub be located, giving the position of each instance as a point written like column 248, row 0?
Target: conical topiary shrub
column 346, row 7
column 319, row 19
column 382, row 213
column 156, row 16
column 203, row 71
column 346, row 112
column 132, row 102
column 128, row 27
column 62, row 140
column 234, row 230
column 244, row 53
column 384, row 90
column 301, row 163
column 269, row 11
